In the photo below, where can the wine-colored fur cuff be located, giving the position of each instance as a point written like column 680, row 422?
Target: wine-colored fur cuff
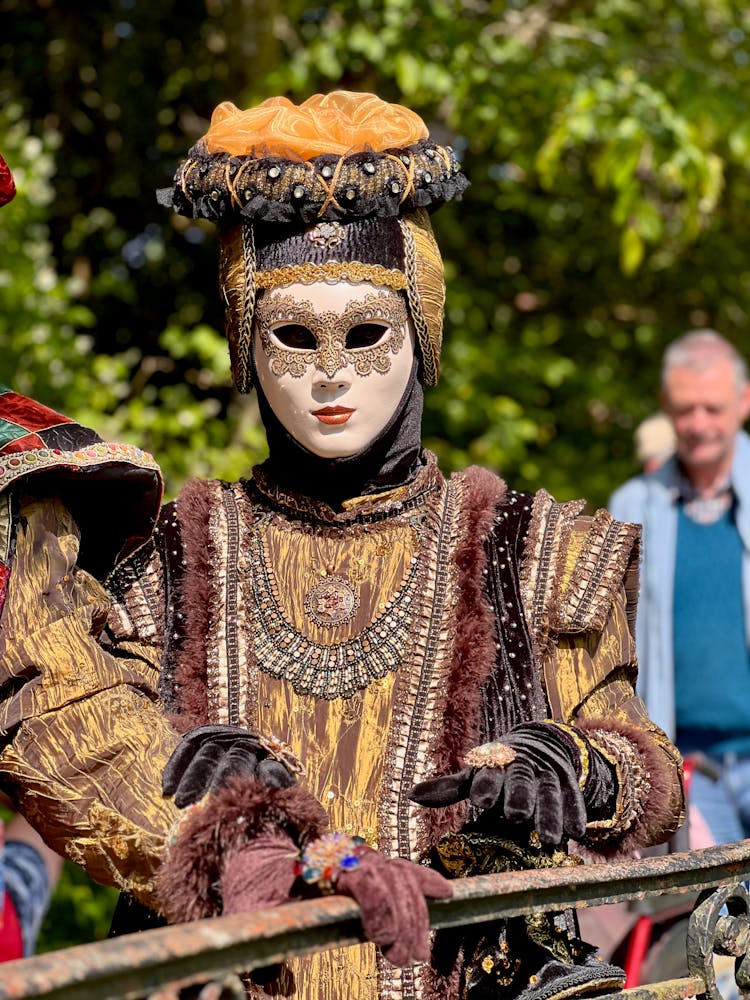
column 655, row 798
column 188, row 881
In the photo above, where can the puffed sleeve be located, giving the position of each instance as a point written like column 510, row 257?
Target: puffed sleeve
column 84, row 737
column 586, row 647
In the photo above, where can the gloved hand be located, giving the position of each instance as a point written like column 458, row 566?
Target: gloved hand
column 392, row 894
column 209, row 755
column 260, row 874
column 539, row 784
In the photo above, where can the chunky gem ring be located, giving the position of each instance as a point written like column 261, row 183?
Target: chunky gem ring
column 494, row 754
column 326, row 858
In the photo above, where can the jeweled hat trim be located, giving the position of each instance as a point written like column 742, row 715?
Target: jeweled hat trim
column 228, row 189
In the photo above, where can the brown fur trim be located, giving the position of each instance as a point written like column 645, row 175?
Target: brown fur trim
column 663, row 810
column 188, row 882
column 474, row 647
column 193, row 510
column 442, row 977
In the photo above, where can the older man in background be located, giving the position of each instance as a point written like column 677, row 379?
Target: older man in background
column 694, row 609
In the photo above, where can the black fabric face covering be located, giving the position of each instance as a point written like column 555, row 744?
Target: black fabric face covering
column 392, row 459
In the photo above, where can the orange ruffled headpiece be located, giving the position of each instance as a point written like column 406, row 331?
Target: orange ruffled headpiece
column 337, row 188
column 342, row 122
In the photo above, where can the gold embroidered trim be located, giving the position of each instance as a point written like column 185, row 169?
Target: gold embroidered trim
column 544, row 561
column 332, row 270
column 597, row 576
column 582, row 747
column 13, row 466
column 633, row 784
column 6, row 533
column 430, row 356
column 419, row 709
column 136, row 586
column 225, row 654
column 338, row 669
column 330, row 329
column 247, row 311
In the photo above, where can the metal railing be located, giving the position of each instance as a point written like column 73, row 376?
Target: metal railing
column 154, row 964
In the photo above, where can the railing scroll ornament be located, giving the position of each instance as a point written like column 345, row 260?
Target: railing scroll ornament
column 720, row 925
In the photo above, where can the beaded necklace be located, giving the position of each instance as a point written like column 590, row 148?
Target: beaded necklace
column 338, row 669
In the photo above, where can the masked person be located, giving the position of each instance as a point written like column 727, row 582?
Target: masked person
column 385, row 678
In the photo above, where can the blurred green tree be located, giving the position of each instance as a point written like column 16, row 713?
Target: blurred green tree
column 608, row 144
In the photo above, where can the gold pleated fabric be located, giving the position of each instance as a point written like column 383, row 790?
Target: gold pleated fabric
column 91, row 742
column 343, row 741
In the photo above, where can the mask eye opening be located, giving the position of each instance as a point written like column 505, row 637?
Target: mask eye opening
column 295, row 336
column 364, row 335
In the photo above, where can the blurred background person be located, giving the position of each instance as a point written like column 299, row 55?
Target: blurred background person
column 654, row 441
column 31, row 871
column 694, row 608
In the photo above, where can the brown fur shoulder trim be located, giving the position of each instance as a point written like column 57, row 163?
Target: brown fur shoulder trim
column 194, row 506
column 474, row 647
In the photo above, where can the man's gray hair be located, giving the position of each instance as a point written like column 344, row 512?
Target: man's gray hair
column 699, row 350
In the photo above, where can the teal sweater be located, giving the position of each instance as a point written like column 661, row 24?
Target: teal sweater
column 712, row 661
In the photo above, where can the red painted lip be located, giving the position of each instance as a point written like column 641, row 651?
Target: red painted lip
column 333, row 414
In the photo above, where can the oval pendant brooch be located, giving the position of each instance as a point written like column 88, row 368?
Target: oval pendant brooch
column 333, row 601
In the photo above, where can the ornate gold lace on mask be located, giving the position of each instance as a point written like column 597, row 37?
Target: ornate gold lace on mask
column 330, row 331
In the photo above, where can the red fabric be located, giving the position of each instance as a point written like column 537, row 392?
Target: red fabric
column 11, row 940
column 4, row 575
column 25, row 442
column 7, row 184
column 29, row 415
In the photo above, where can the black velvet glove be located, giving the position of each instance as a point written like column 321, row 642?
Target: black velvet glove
column 209, row 755
column 540, row 785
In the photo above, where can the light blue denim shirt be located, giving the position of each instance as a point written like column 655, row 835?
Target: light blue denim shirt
column 651, row 500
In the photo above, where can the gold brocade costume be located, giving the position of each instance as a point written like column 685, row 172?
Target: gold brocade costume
column 386, row 637
column 470, row 572
column 90, row 738
column 341, row 743
column 340, row 740
column 575, row 580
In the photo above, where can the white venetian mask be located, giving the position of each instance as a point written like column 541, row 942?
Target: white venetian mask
column 333, row 361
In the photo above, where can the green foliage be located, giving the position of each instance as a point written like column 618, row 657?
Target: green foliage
column 80, row 911
column 608, row 146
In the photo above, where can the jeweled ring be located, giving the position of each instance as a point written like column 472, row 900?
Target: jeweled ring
column 279, row 750
column 332, row 854
column 491, row 755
